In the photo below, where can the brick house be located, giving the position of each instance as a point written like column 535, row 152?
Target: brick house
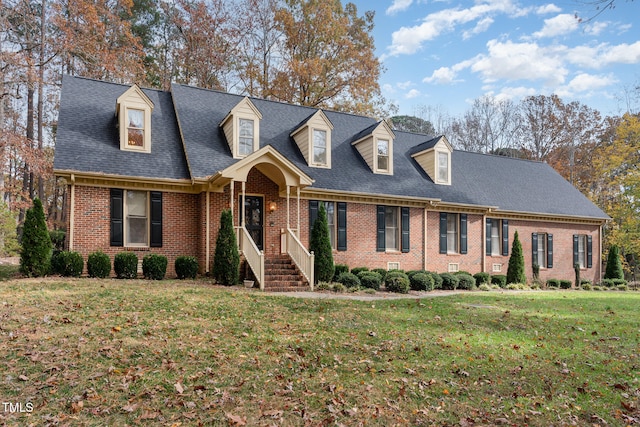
column 150, row 171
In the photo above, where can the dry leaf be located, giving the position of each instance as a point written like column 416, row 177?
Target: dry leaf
column 236, row 420
column 179, row 388
column 130, row 407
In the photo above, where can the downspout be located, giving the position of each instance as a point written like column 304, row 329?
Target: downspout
column 424, row 236
column 208, row 232
column 483, row 245
column 72, row 211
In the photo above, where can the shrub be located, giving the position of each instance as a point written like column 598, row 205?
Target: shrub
column 226, row 259
column 585, row 282
column 484, row 287
column 466, row 281
column 369, row 291
column 457, row 273
column 412, row 272
column 349, row 280
column 35, row 256
column 515, row 271
column 320, row 244
column 437, row 280
column 370, row 279
column 397, row 281
column 586, row 286
column 68, row 264
column 613, row 269
column 8, row 234
column 186, row 267
column 535, row 285
column 421, row 281
column 339, row 269
column 565, row 284
column 597, row 288
column 99, row 265
column 449, row 281
column 553, row 283
column 622, row 287
column 154, row 266
column 381, row 271
column 57, row 238
column 357, row 270
column 323, row 286
column 618, row 282
column 338, row 288
column 125, row 265
column 517, row 286
column 482, row 278
column 499, row 280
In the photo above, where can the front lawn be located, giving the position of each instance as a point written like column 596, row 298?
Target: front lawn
column 110, row 352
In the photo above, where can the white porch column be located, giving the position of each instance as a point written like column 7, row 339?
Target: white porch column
column 72, row 211
column 208, row 232
column 233, row 196
column 298, row 197
column 288, row 222
column 244, row 195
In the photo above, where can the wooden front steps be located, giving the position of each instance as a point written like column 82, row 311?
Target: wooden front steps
column 282, row 275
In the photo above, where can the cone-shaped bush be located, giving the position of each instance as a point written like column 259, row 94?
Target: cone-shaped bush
column 320, row 244
column 35, row 256
column 614, row 265
column 226, row 259
column 515, row 272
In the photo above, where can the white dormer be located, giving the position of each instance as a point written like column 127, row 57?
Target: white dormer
column 133, row 109
column 435, row 160
column 313, row 137
column 242, row 128
column 375, row 145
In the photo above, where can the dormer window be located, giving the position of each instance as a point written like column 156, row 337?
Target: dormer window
column 313, row 138
column 133, row 109
column 242, row 129
column 320, row 147
column 443, row 167
column 383, row 155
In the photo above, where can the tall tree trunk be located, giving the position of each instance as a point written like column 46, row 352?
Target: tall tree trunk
column 41, row 96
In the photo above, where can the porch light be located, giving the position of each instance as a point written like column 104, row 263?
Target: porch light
column 273, row 207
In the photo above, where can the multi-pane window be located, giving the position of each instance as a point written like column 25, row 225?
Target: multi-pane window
column 542, row 250
column 495, row 237
column 245, row 141
column 452, row 233
column 383, row 154
column 136, row 219
column 135, row 128
column 391, row 228
column 319, row 147
column 582, row 246
column 443, row 167
column 331, row 221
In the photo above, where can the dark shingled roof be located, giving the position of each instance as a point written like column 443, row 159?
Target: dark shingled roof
column 87, row 126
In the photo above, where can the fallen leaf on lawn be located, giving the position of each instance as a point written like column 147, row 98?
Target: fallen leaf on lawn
column 77, row 406
column 116, row 329
column 130, row 407
column 274, row 413
column 179, row 388
column 23, row 378
column 236, row 420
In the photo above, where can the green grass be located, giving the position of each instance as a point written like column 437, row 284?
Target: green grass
column 8, row 271
column 108, row 352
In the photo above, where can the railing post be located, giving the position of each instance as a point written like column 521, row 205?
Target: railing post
column 262, row 270
column 312, row 270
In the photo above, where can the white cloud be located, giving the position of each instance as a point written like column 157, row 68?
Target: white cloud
column 557, row 26
column 482, row 26
column 596, row 28
column 398, row 6
column 408, row 40
column 413, row 93
column 405, row 85
column 548, row 8
column 585, row 82
column 443, row 76
column 387, row 88
column 604, row 55
column 621, row 54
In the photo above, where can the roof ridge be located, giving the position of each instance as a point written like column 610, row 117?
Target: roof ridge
column 502, row 157
column 128, row 85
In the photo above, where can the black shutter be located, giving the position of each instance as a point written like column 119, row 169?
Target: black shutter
column 380, row 236
column 549, row 250
column 156, row 219
column 463, row 233
column 534, row 248
column 342, row 226
column 405, row 229
column 117, row 220
column 313, row 215
column 443, row 232
column 589, row 251
column 505, row 237
column 488, row 236
column 575, row 249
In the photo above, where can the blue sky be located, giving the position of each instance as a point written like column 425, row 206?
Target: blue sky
column 446, row 53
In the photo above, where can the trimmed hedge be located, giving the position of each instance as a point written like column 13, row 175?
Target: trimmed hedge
column 154, row 266
column 437, row 280
column 349, row 280
column 565, row 284
column 500, row 280
column 125, row 265
column 340, row 268
column 370, row 279
column 612, row 283
column 68, row 264
column 381, row 271
column 186, row 267
column 421, row 281
column 466, row 281
column 357, row 270
column 57, row 238
column 98, row 265
column 482, row 278
column 449, row 281
column 397, row 281
column 554, row 283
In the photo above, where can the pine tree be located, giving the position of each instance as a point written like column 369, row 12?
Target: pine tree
column 614, row 265
column 320, row 244
column 226, row 260
column 515, row 272
column 35, row 256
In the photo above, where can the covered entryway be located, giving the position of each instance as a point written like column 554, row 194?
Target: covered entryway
column 264, row 195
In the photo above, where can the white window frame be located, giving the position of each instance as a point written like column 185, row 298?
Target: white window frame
column 440, row 178
column 244, row 137
column 331, row 222
column 542, row 254
column 392, row 228
column 314, row 146
column 387, row 156
column 127, row 216
column 496, row 239
column 453, row 235
column 582, row 252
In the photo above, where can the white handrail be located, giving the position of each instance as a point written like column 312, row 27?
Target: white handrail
column 300, row 256
column 253, row 255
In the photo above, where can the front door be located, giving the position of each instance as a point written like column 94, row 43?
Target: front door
column 254, row 218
